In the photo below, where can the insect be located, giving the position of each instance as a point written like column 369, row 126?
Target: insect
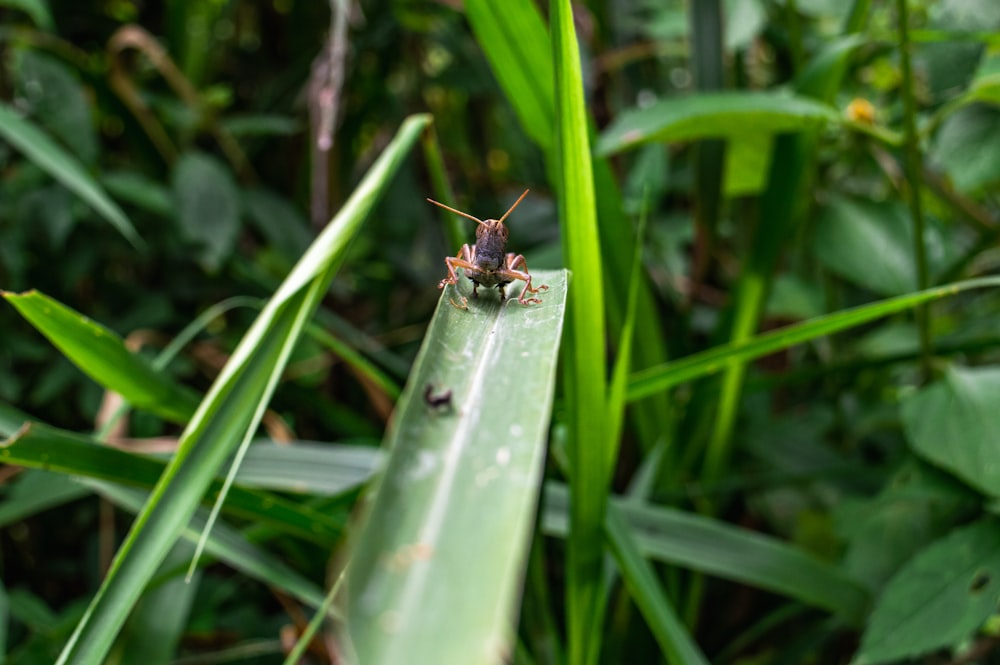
column 438, row 400
column 487, row 262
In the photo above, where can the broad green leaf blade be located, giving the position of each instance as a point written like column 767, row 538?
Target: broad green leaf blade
column 43, row 447
column 231, row 410
column 713, row 360
column 101, row 354
column 867, row 243
column 47, row 155
column 647, row 592
column 585, row 379
column 714, row 547
column 714, row 115
column 954, row 425
column 452, row 514
column 939, row 599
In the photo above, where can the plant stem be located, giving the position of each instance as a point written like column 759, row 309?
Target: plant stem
column 912, row 168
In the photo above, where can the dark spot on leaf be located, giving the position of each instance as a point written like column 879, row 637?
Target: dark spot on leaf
column 979, row 582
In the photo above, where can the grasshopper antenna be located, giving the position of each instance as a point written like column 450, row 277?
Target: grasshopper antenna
column 514, row 206
column 463, row 214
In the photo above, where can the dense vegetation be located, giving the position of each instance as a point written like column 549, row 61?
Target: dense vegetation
column 772, row 437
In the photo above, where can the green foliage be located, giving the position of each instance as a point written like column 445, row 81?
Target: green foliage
column 772, row 437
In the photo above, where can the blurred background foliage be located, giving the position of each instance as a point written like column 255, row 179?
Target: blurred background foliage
column 201, row 120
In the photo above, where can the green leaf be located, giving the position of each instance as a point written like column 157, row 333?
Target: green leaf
column 232, row 410
column 715, row 359
column 644, row 587
column 714, row 547
column 101, row 354
column 868, row 243
column 713, row 115
column 954, row 423
column 42, row 447
column 957, row 148
column 52, row 94
column 585, row 379
column 47, row 155
column 939, row 599
column 452, row 514
column 208, row 206
column 514, row 37
column 38, row 10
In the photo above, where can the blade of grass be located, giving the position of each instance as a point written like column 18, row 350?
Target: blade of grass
column 42, row 447
column 449, row 522
column 714, row 547
column 519, row 51
column 719, row 358
column 228, row 412
column 62, row 165
column 102, row 355
column 585, row 381
column 645, row 589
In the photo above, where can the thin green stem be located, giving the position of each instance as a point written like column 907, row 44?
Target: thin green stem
column 913, row 169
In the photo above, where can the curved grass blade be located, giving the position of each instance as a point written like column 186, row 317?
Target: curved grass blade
column 102, row 355
column 229, row 412
column 647, row 592
column 718, row 358
column 714, row 547
column 47, row 155
column 43, row 447
column 450, row 519
column 713, row 115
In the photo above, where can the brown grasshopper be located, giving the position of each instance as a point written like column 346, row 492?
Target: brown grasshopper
column 487, row 262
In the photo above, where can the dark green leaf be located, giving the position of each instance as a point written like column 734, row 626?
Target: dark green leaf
column 937, row 600
column 208, row 206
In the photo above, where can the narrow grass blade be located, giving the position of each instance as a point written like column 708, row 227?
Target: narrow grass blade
column 47, row 155
column 716, row 359
column 450, row 519
column 230, row 410
column 585, row 379
column 647, row 592
column 43, row 447
column 714, row 547
column 102, row 355
column 514, row 37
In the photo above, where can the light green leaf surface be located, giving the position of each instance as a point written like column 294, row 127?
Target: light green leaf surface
column 954, row 424
column 939, row 599
column 47, row 155
column 715, row 359
column 449, row 521
column 230, row 412
column 713, row 115
column 101, row 354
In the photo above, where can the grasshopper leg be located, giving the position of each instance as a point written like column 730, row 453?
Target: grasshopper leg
column 512, row 272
